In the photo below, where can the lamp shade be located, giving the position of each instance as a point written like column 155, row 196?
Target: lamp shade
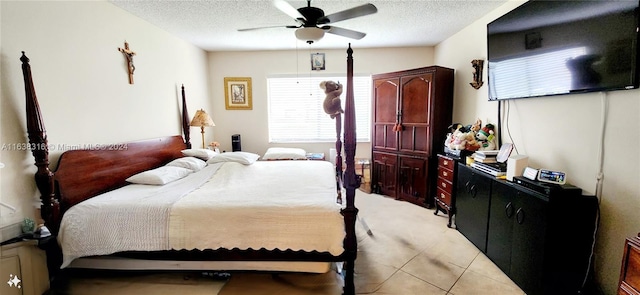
column 201, row 119
column 309, row 34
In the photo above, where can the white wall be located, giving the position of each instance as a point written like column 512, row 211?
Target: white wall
column 82, row 84
column 251, row 125
column 563, row 133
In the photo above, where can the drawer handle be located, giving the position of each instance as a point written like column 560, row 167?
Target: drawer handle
column 445, row 162
column 445, row 174
column 442, row 195
column 444, row 184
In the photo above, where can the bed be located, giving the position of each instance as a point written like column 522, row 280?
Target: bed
column 177, row 227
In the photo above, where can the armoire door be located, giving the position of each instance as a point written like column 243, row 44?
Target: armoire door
column 414, row 106
column 412, row 179
column 384, row 114
column 384, row 176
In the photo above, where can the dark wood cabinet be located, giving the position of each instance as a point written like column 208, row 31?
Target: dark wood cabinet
column 542, row 241
column 630, row 272
column 410, row 113
column 473, row 192
column 516, row 235
column 444, row 200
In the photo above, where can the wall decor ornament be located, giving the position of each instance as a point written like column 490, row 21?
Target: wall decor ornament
column 317, row 61
column 237, row 91
column 128, row 54
column 477, row 65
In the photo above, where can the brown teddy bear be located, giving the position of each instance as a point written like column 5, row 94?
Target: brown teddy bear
column 332, row 104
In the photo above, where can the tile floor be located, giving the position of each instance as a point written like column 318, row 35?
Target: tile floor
column 411, row 251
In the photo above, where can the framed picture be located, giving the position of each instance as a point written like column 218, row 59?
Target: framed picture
column 237, row 93
column 317, row 61
column 532, row 40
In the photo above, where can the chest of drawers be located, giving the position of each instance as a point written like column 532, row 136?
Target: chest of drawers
column 630, row 273
column 445, row 192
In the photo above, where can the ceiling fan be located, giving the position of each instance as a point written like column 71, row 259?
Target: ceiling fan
column 312, row 23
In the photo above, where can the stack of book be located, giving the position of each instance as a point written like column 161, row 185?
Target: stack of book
column 485, row 161
column 485, row 156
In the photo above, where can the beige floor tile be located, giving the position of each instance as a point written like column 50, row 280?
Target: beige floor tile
column 406, row 284
column 431, row 268
column 370, row 274
column 477, row 284
column 455, row 249
column 484, row 266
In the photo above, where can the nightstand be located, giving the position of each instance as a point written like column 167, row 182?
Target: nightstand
column 24, row 261
column 444, row 199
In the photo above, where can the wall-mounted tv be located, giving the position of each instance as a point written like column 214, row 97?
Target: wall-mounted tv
column 544, row 48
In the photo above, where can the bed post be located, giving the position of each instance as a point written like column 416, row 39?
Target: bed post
column 38, row 143
column 351, row 181
column 185, row 120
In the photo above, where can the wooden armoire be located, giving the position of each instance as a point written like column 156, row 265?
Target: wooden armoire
column 411, row 111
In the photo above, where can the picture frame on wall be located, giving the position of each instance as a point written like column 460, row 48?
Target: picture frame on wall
column 237, row 91
column 317, row 62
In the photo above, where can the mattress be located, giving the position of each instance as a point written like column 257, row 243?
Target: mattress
column 268, row 204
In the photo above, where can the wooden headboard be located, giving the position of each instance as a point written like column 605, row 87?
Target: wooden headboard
column 81, row 174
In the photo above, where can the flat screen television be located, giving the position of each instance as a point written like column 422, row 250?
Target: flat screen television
column 544, row 48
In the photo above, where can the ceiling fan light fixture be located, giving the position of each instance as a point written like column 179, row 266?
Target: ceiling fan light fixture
column 309, row 34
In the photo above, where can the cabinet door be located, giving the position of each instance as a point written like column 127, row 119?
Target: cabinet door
column 528, row 243
column 415, row 99
column 412, row 179
column 473, row 191
column 9, row 267
column 384, row 114
column 501, row 216
column 385, row 173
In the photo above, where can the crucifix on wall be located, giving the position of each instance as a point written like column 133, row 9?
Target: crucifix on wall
column 128, row 54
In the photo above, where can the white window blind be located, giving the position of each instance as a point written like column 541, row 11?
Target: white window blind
column 296, row 113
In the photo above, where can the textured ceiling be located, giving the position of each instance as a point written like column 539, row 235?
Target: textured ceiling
column 212, row 25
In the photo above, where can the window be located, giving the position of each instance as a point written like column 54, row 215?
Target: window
column 296, row 113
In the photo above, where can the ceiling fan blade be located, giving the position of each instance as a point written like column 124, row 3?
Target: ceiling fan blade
column 344, row 32
column 268, row 27
column 291, row 11
column 357, row 11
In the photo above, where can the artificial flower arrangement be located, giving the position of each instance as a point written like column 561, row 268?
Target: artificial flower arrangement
column 215, row 146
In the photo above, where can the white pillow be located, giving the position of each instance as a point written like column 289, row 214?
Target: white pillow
column 240, row 157
column 279, row 153
column 204, row 154
column 191, row 163
column 159, row 176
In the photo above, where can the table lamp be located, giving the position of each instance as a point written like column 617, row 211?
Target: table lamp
column 201, row 119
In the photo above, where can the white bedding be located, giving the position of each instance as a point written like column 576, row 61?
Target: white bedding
column 279, row 204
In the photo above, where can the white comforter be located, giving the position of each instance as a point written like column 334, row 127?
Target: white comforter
column 269, row 204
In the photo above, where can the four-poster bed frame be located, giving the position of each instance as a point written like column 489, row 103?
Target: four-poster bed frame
column 82, row 174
